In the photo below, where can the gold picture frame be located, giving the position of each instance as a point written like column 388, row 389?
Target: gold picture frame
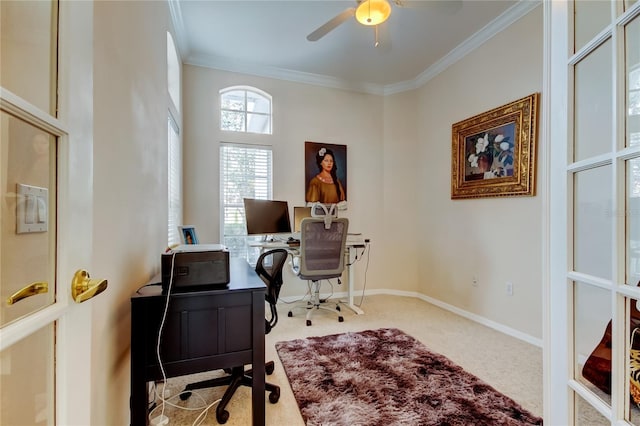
column 494, row 153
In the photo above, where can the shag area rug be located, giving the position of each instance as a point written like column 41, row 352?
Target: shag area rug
column 386, row 377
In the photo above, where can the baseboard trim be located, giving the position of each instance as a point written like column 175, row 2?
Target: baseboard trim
column 465, row 314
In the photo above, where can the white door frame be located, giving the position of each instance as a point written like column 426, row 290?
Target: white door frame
column 556, row 398
column 75, row 232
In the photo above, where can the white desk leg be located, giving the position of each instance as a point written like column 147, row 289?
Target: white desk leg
column 349, row 258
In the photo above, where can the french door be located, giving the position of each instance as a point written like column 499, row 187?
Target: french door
column 594, row 258
column 45, row 210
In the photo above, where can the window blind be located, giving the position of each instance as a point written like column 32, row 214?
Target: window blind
column 175, row 183
column 245, row 172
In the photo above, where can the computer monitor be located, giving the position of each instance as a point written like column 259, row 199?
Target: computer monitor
column 300, row 213
column 266, row 217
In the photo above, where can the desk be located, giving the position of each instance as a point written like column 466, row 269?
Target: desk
column 204, row 331
column 353, row 243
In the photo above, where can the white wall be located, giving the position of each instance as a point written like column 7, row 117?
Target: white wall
column 403, row 191
column 495, row 239
column 300, row 113
column 130, row 183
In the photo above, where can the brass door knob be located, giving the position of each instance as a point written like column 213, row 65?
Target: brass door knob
column 84, row 288
column 28, row 291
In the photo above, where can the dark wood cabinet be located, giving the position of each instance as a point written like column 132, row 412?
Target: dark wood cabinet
column 202, row 331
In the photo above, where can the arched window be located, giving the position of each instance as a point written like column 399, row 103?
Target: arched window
column 245, row 109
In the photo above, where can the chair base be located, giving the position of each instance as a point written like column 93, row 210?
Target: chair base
column 316, row 304
column 237, row 377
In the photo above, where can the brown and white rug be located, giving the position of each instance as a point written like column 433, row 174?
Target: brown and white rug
column 386, row 377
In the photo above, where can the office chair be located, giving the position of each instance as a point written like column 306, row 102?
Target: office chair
column 322, row 251
column 269, row 268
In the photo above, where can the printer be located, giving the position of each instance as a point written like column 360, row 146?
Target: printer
column 195, row 267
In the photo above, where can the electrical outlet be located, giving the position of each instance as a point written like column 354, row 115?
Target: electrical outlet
column 509, row 288
column 474, row 281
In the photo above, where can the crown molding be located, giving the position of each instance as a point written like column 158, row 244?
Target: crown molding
column 510, row 16
column 507, row 18
column 283, row 74
column 175, row 9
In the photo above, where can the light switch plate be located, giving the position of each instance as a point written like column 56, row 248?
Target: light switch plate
column 32, row 212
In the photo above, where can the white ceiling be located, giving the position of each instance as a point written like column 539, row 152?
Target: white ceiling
column 268, row 38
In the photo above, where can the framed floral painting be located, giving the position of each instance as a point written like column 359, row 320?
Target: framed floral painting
column 494, row 153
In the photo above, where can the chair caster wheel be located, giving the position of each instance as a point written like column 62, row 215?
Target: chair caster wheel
column 290, row 314
column 184, row 395
column 269, row 369
column 274, row 396
column 340, row 319
column 308, row 323
column 222, row 416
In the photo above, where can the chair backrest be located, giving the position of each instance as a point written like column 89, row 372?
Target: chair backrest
column 269, row 268
column 322, row 247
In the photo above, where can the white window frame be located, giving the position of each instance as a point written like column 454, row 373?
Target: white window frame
column 174, row 144
column 174, row 177
column 173, row 73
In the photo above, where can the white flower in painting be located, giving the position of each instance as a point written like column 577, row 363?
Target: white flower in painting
column 504, row 146
column 482, row 143
column 322, row 152
column 473, row 160
column 498, row 138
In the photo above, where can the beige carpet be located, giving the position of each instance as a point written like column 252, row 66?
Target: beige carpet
column 511, row 366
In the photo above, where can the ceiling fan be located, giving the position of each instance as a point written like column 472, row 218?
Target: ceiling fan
column 373, row 13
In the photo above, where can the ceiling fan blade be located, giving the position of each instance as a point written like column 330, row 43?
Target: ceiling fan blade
column 331, row 24
column 445, row 6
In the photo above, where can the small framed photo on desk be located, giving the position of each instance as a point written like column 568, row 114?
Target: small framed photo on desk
column 188, row 234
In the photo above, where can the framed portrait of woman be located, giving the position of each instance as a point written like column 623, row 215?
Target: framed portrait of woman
column 325, row 173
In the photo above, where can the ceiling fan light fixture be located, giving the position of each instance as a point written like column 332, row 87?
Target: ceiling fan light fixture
column 373, row 12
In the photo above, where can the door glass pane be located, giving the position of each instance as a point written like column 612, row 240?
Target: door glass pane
column 587, row 415
column 592, row 340
column 632, row 218
column 633, row 331
column 590, row 18
column 27, row 216
column 28, row 37
column 593, row 104
column 27, row 380
column 632, row 61
column 593, row 222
